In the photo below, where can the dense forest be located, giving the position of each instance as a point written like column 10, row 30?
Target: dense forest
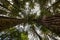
column 29, row 19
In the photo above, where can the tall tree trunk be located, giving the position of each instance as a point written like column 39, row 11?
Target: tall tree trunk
column 52, row 23
column 7, row 22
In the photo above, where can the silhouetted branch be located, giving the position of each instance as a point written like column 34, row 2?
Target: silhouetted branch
column 36, row 33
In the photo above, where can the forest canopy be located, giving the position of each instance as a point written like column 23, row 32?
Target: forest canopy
column 29, row 19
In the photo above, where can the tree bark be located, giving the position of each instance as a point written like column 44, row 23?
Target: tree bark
column 7, row 22
column 52, row 23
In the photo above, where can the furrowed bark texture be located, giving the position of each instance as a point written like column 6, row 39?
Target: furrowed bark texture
column 52, row 23
column 7, row 22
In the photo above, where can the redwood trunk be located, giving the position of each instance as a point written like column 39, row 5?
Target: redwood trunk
column 52, row 23
column 7, row 22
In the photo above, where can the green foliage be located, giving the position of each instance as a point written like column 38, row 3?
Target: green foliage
column 13, row 33
column 3, row 12
column 24, row 36
column 5, row 4
column 45, row 30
